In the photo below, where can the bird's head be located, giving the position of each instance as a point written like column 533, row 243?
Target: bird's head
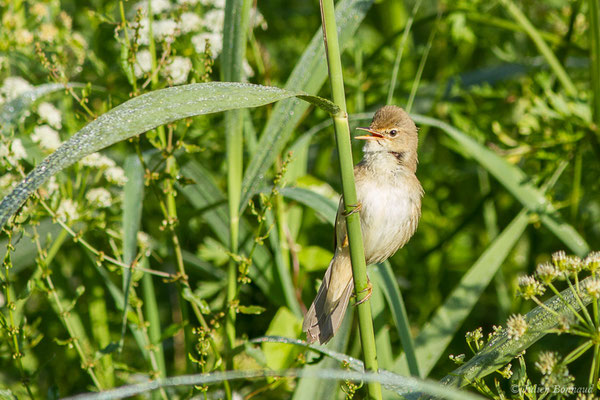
column 392, row 131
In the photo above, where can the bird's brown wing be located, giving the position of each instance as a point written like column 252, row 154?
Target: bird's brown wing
column 339, row 234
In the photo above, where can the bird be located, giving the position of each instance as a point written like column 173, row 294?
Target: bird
column 389, row 204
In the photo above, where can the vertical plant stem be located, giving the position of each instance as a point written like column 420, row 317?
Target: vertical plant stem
column 237, row 15
column 396, row 69
column 342, row 135
column 594, row 21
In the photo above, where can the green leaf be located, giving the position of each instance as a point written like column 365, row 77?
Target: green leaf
column 321, row 204
column 139, row 115
column 251, row 310
column 133, row 199
column 389, row 380
column 314, row 258
column 286, row 324
column 192, row 297
column 383, row 276
column 439, row 331
column 516, row 182
column 308, row 75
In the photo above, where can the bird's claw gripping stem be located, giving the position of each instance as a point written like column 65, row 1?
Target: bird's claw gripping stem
column 369, row 290
column 355, row 208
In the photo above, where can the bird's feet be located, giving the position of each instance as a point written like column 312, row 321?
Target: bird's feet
column 355, row 208
column 368, row 289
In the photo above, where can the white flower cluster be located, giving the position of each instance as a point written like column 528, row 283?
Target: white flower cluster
column 46, row 137
column 99, row 197
column 13, row 152
column 67, row 211
column 206, row 26
column 50, row 114
column 112, row 173
column 12, row 87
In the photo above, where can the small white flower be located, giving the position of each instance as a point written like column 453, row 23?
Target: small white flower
column 214, row 20
column 46, row 137
column 67, row 211
column 50, row 114
column 97, row 160
column 189, row 2
column 13, row 86
column 116, row 175
column 157, row 6
column 592, row 287
column 143, row 63
column 143, row 28
column 516, row 326
column 165, row 29
column 99, row 197
column 215, row 39
column 178, row 69
column 17, row 150
column 190, row 22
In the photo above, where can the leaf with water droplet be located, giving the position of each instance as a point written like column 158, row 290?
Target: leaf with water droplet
column 141, row 114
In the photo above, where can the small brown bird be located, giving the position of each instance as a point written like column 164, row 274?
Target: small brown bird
column 389, row 196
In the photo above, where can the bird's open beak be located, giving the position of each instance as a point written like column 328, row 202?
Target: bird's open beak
column 373, row 134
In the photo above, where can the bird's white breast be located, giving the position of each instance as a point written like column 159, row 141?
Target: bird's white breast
column 389, row 215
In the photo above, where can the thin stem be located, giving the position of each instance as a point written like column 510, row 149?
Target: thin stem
column 417, row 80
column 569, row 306
column 342, row 134
column 396, row 69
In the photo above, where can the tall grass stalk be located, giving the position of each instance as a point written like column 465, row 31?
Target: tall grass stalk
column 342, row 135
column 237, row 15
column 594, row 20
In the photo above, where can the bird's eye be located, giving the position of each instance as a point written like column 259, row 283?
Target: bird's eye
column 393, row 132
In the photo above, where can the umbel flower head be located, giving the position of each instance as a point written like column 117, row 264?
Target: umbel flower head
column 516, row 326
column 529, row 287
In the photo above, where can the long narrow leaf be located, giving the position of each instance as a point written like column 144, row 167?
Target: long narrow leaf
column 141, row 114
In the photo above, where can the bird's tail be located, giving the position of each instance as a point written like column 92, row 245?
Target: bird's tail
column 327, row 311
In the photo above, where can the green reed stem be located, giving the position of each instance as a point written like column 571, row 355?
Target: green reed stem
column 342, row 135
column 237, row 16
column 594, row 21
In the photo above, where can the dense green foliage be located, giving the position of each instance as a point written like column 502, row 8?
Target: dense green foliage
column 508, row 104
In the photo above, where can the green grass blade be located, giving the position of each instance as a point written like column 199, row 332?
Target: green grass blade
column 516, row 182
column 141, row 114
column 594, row 30
column 501, row 349
column 543, row 48
column 389, row 380
column 235, row 29
column 322, row 205
column 309, row 76
column 133, row 198
column 439, row 331
column 384, row 276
